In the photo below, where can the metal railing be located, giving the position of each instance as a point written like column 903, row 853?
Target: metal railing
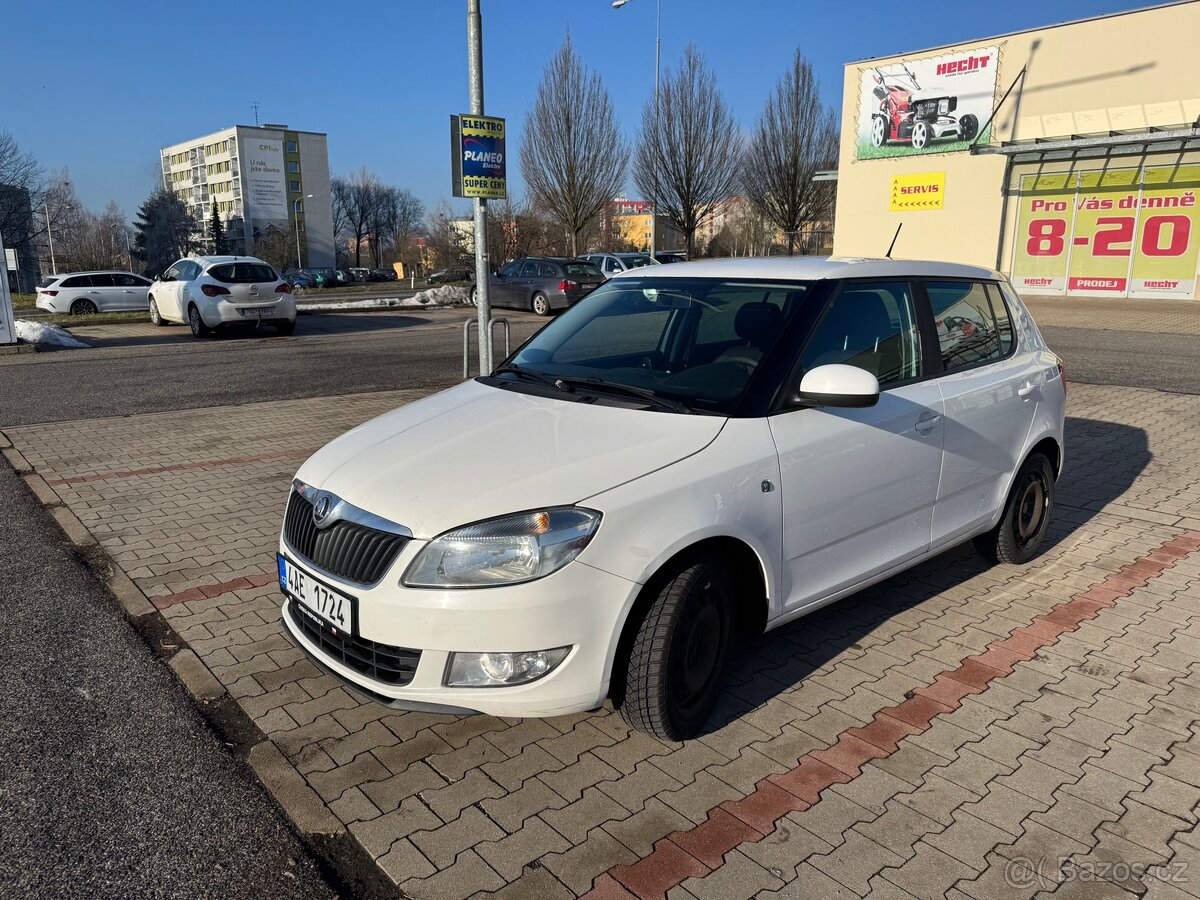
column 492, row 323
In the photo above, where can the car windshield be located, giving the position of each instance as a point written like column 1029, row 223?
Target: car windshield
column 694, row 341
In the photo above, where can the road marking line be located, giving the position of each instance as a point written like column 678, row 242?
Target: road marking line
column 208, row 591
column 698, row 851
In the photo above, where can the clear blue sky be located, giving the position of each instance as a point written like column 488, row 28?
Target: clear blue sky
column 102, row 86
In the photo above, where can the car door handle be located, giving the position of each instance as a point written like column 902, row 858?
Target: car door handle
column 1026, row 388
column 926, row 423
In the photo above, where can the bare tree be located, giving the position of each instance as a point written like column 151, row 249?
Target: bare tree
column 404, row 215
column 89, row 241
column 572, row 156
column 796, row 137
column 357, row 197
column 690, row 149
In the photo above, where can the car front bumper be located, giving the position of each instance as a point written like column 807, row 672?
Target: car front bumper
column 579, row 606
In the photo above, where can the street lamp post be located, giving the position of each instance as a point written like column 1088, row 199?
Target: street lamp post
column 617, row 4
column 482, row 263
column 50, row 235
column 296, row 223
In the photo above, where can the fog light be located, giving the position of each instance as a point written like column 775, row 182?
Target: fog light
column 501, row 669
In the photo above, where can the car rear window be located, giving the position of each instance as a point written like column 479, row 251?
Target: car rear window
column 48, row 280
column 582, row 269
column 242, row 273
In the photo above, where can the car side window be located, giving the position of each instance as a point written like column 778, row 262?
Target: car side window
column 967, row 332
column 612, row 266
column 529, row 270
column 127, row 281
column 102, row 280
column 547, row 270
column 78, row 281
column 870, row 325
column 510, row 271
column 188, row 271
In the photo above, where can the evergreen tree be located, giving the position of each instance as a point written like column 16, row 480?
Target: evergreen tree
column 164, row 232
column 217, row 232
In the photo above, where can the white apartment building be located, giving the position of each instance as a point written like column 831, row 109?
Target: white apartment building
column 260, row 177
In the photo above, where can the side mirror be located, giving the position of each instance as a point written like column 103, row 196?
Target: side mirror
column 158, row 277
column 839, row 385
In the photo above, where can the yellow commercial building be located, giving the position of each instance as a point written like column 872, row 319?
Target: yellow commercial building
column 1068, row 157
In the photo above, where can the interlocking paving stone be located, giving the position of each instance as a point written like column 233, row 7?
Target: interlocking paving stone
column 189, row 505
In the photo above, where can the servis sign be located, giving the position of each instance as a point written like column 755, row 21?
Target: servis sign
column 478, row 157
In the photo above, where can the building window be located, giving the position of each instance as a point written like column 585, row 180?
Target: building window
column 294, row 166
column 294, row 187
column 293, row 147
column 298, row 206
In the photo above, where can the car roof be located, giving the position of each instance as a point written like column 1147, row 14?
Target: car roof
column 811, row 268
column 96, row 272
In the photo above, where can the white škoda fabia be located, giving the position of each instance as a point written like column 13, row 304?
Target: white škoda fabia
column 693, row 453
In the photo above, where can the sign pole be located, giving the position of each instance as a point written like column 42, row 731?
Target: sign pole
column 482, row 267
column 8, row 329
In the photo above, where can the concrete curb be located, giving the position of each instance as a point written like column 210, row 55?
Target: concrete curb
column 16, row 460
column 200, row 682
column 74, row 529
column 45, row 494
column 291, row 791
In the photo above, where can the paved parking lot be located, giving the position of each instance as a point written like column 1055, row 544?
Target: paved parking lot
column 957, row 728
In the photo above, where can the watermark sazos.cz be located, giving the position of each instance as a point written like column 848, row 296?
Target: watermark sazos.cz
column 1046, row 872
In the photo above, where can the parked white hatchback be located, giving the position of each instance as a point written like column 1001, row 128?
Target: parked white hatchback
column 211, row 292
column 693, row 453
column 84, row 293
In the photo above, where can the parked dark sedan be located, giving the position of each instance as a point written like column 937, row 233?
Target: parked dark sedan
column 542, row 283
column 446, row 276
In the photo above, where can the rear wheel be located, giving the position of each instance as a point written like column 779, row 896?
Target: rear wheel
column 540, row 304
column 156, row 317
column 474, row 296
column 286, row 327
column 199, row 329
column 679, row 654
column 83, row 307
column 968, row 127
column 1026, row 517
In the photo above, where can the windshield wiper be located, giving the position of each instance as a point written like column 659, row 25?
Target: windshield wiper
column 599, row 386
column 531, row 374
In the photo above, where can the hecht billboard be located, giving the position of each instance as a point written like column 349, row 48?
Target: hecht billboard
column 266, row 192
column 1115, row 233
column 932, row 105
column 478, row 157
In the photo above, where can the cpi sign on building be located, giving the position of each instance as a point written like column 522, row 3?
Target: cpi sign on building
column 478, row 157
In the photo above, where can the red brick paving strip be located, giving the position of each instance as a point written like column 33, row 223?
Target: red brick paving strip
column 205, row 591
column 699, row 851
column 182, row 467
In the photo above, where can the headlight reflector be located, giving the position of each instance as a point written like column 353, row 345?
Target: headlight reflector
column 507, row 550
column 501, row 669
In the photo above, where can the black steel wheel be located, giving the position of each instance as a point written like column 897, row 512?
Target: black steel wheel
column 679, row 654
column 1022, row 527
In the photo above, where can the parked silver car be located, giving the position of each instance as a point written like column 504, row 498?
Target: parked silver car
column 542, row 283
column 612, row 263
column 82, row 293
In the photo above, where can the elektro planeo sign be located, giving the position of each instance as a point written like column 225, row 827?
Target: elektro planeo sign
column 478, row 157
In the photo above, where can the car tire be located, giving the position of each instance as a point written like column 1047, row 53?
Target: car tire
column 474, row 296
column 920, row 135
column 286, row 327
column 677, row 658
column 83, row 307
column 155, row 316
column 199, row 329
column 1022, row 528
column 540, row 304
column 968, row 127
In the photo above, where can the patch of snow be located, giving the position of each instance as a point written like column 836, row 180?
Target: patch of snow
column 46, row 335
column 446, row 295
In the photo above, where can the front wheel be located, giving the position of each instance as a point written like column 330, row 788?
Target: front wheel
column 541, row 304
column 678, row 656
column 920, row 135
column 879, row 131
column 1022, row 527
column 199, row 329
column 155, row 316
column 474, row 296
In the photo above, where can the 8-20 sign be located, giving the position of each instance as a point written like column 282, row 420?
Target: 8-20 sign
column 1125, row 232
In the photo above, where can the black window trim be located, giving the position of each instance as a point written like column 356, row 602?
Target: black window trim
column 988, row 285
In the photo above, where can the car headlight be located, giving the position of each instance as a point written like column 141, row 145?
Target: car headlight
column 507, row 550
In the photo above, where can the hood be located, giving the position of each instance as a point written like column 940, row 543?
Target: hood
column 476, row 451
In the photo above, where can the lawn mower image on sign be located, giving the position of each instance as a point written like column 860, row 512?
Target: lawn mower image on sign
column 908, row 113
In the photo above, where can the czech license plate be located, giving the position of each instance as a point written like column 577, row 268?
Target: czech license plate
column 254, row 311
column 330, row 605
